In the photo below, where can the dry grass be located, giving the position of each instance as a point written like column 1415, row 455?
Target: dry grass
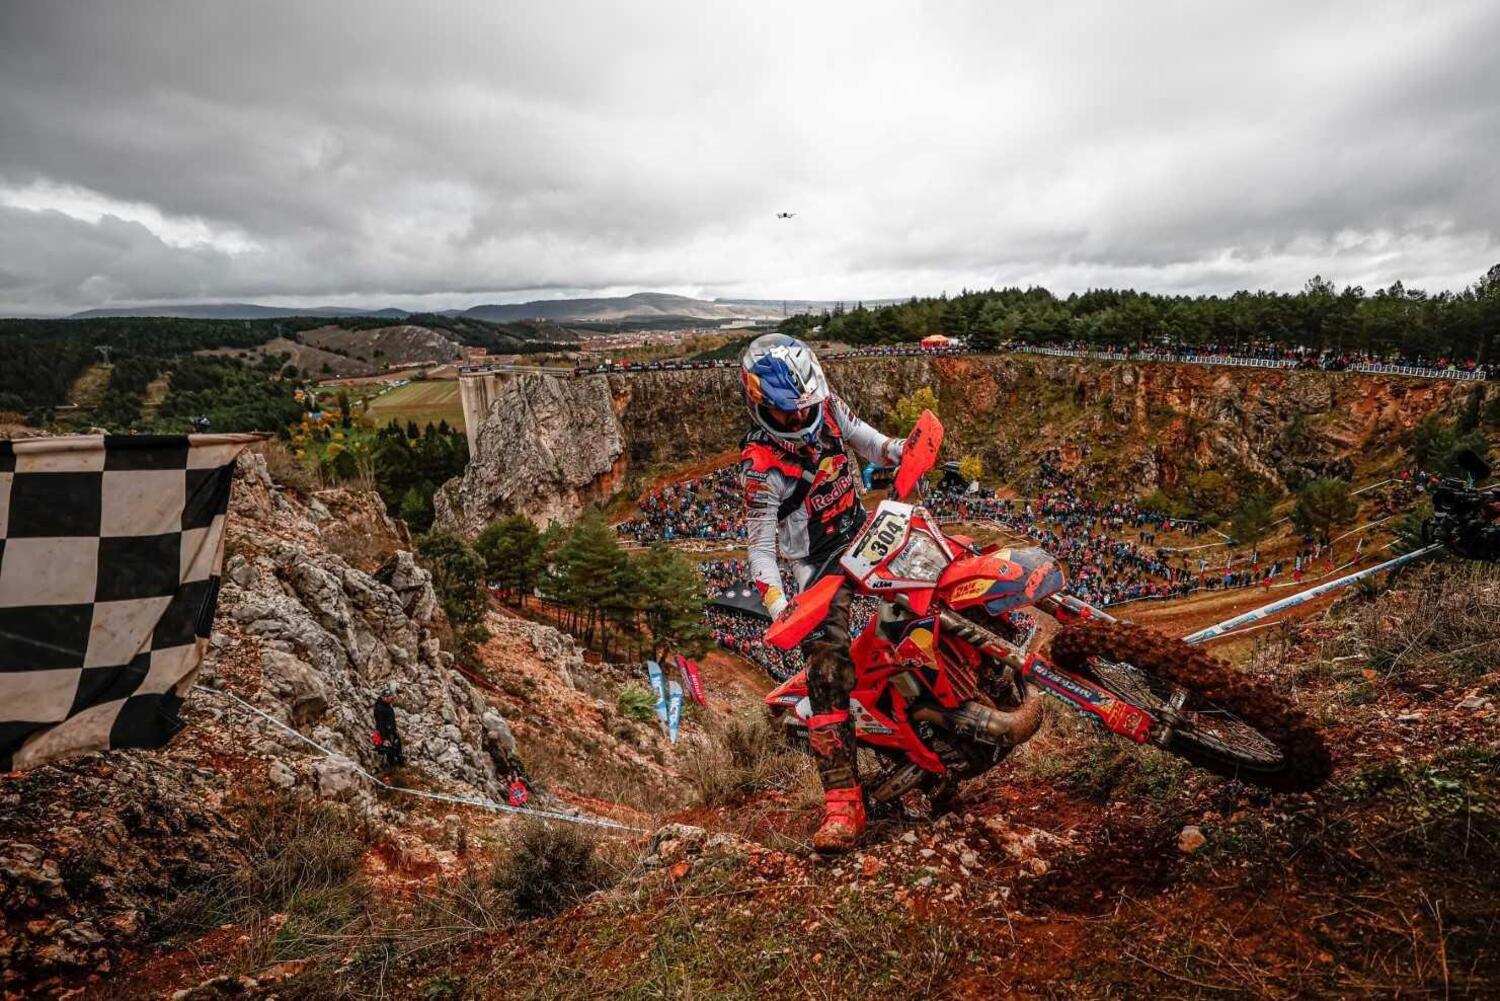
column 741, row 756
column 1441, row 623
column 294, row 852
column 286, row 469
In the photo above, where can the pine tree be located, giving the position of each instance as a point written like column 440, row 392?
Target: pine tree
column 458, row 578
column 416, row 510
column 512, row 552
column 591, row 565
column 1253, row 519
column 1322, row 504
column 671, row 597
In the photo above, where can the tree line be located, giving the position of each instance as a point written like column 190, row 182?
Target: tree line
column 1409, row 322
column 611, row 599
column 41, row 359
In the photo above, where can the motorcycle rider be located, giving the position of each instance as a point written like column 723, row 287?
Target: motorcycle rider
column 800, row 498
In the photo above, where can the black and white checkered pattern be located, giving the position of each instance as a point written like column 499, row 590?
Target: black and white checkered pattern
column 110, row 550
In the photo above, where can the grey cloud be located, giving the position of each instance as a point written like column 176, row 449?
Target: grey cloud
column 396, row 150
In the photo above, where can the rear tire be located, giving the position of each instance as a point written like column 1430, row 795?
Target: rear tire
column 1216, row 690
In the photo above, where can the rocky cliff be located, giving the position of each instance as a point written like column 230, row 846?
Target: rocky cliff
column 94, row 851
column 326, row 636
column 550, row 446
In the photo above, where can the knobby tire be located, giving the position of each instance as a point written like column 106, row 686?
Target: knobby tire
column 1306, row 763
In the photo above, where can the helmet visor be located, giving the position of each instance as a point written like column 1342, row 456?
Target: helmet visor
column 789, row 421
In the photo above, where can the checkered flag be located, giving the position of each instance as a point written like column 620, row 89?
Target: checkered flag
column 110, row 550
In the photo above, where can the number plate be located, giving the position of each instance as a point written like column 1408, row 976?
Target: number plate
column 881, row 539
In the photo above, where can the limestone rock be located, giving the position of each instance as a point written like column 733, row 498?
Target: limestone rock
column 294, row 682
column 547, row 445
column 330, row 636
column 336, row 778
column 280, row 775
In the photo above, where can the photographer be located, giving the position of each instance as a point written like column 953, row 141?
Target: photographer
column 1466, row 518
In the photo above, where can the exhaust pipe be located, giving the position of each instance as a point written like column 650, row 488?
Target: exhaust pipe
column 1003, row 728
column 997, row 727
column 901, row 782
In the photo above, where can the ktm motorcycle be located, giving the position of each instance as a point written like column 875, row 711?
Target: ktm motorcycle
column 949, row 674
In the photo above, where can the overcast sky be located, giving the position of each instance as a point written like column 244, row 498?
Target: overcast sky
column 433, row 155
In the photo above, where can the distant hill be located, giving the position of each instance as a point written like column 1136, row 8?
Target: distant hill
column 236, row 311
column 642, row 305
column 240, row 372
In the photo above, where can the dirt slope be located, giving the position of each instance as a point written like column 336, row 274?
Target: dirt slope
column 1084, row 869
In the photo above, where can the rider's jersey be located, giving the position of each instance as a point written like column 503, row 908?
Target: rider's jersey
column 804, row 501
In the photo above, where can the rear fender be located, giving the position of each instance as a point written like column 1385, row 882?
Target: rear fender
column 805, row 613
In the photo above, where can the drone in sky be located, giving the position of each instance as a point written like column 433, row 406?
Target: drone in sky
column 785, row 215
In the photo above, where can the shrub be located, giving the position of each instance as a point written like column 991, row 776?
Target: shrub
column 551, row 868
column 285, row 468
column 1253, row 518
column 637, row 703
column 1436, row 444
column 742, row 755
column 1324, row 503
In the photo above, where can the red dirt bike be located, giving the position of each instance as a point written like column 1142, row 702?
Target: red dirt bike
column 948, row 680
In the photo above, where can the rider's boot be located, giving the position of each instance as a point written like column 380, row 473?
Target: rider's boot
column 832, row 738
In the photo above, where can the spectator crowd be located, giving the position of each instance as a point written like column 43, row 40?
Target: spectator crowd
column 707, row 507
column 1114, row 552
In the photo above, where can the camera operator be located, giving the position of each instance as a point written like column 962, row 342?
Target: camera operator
column 1466, row 518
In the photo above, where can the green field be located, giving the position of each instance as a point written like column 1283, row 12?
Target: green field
column 424, row 402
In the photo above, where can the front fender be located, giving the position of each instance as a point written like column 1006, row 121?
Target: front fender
column 804, row 613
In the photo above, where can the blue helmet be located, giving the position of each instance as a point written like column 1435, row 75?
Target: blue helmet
column 784, row 388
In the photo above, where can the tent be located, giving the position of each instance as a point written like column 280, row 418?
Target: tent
column 953, row 481
column 741, row 598
column 935, row 341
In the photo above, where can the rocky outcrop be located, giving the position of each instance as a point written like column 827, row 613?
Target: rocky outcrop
column 92, row 853
column 327, row 636
column 549, row 446
column 95, row 853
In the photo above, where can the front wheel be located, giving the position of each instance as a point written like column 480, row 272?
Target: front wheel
column 1220, row 719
